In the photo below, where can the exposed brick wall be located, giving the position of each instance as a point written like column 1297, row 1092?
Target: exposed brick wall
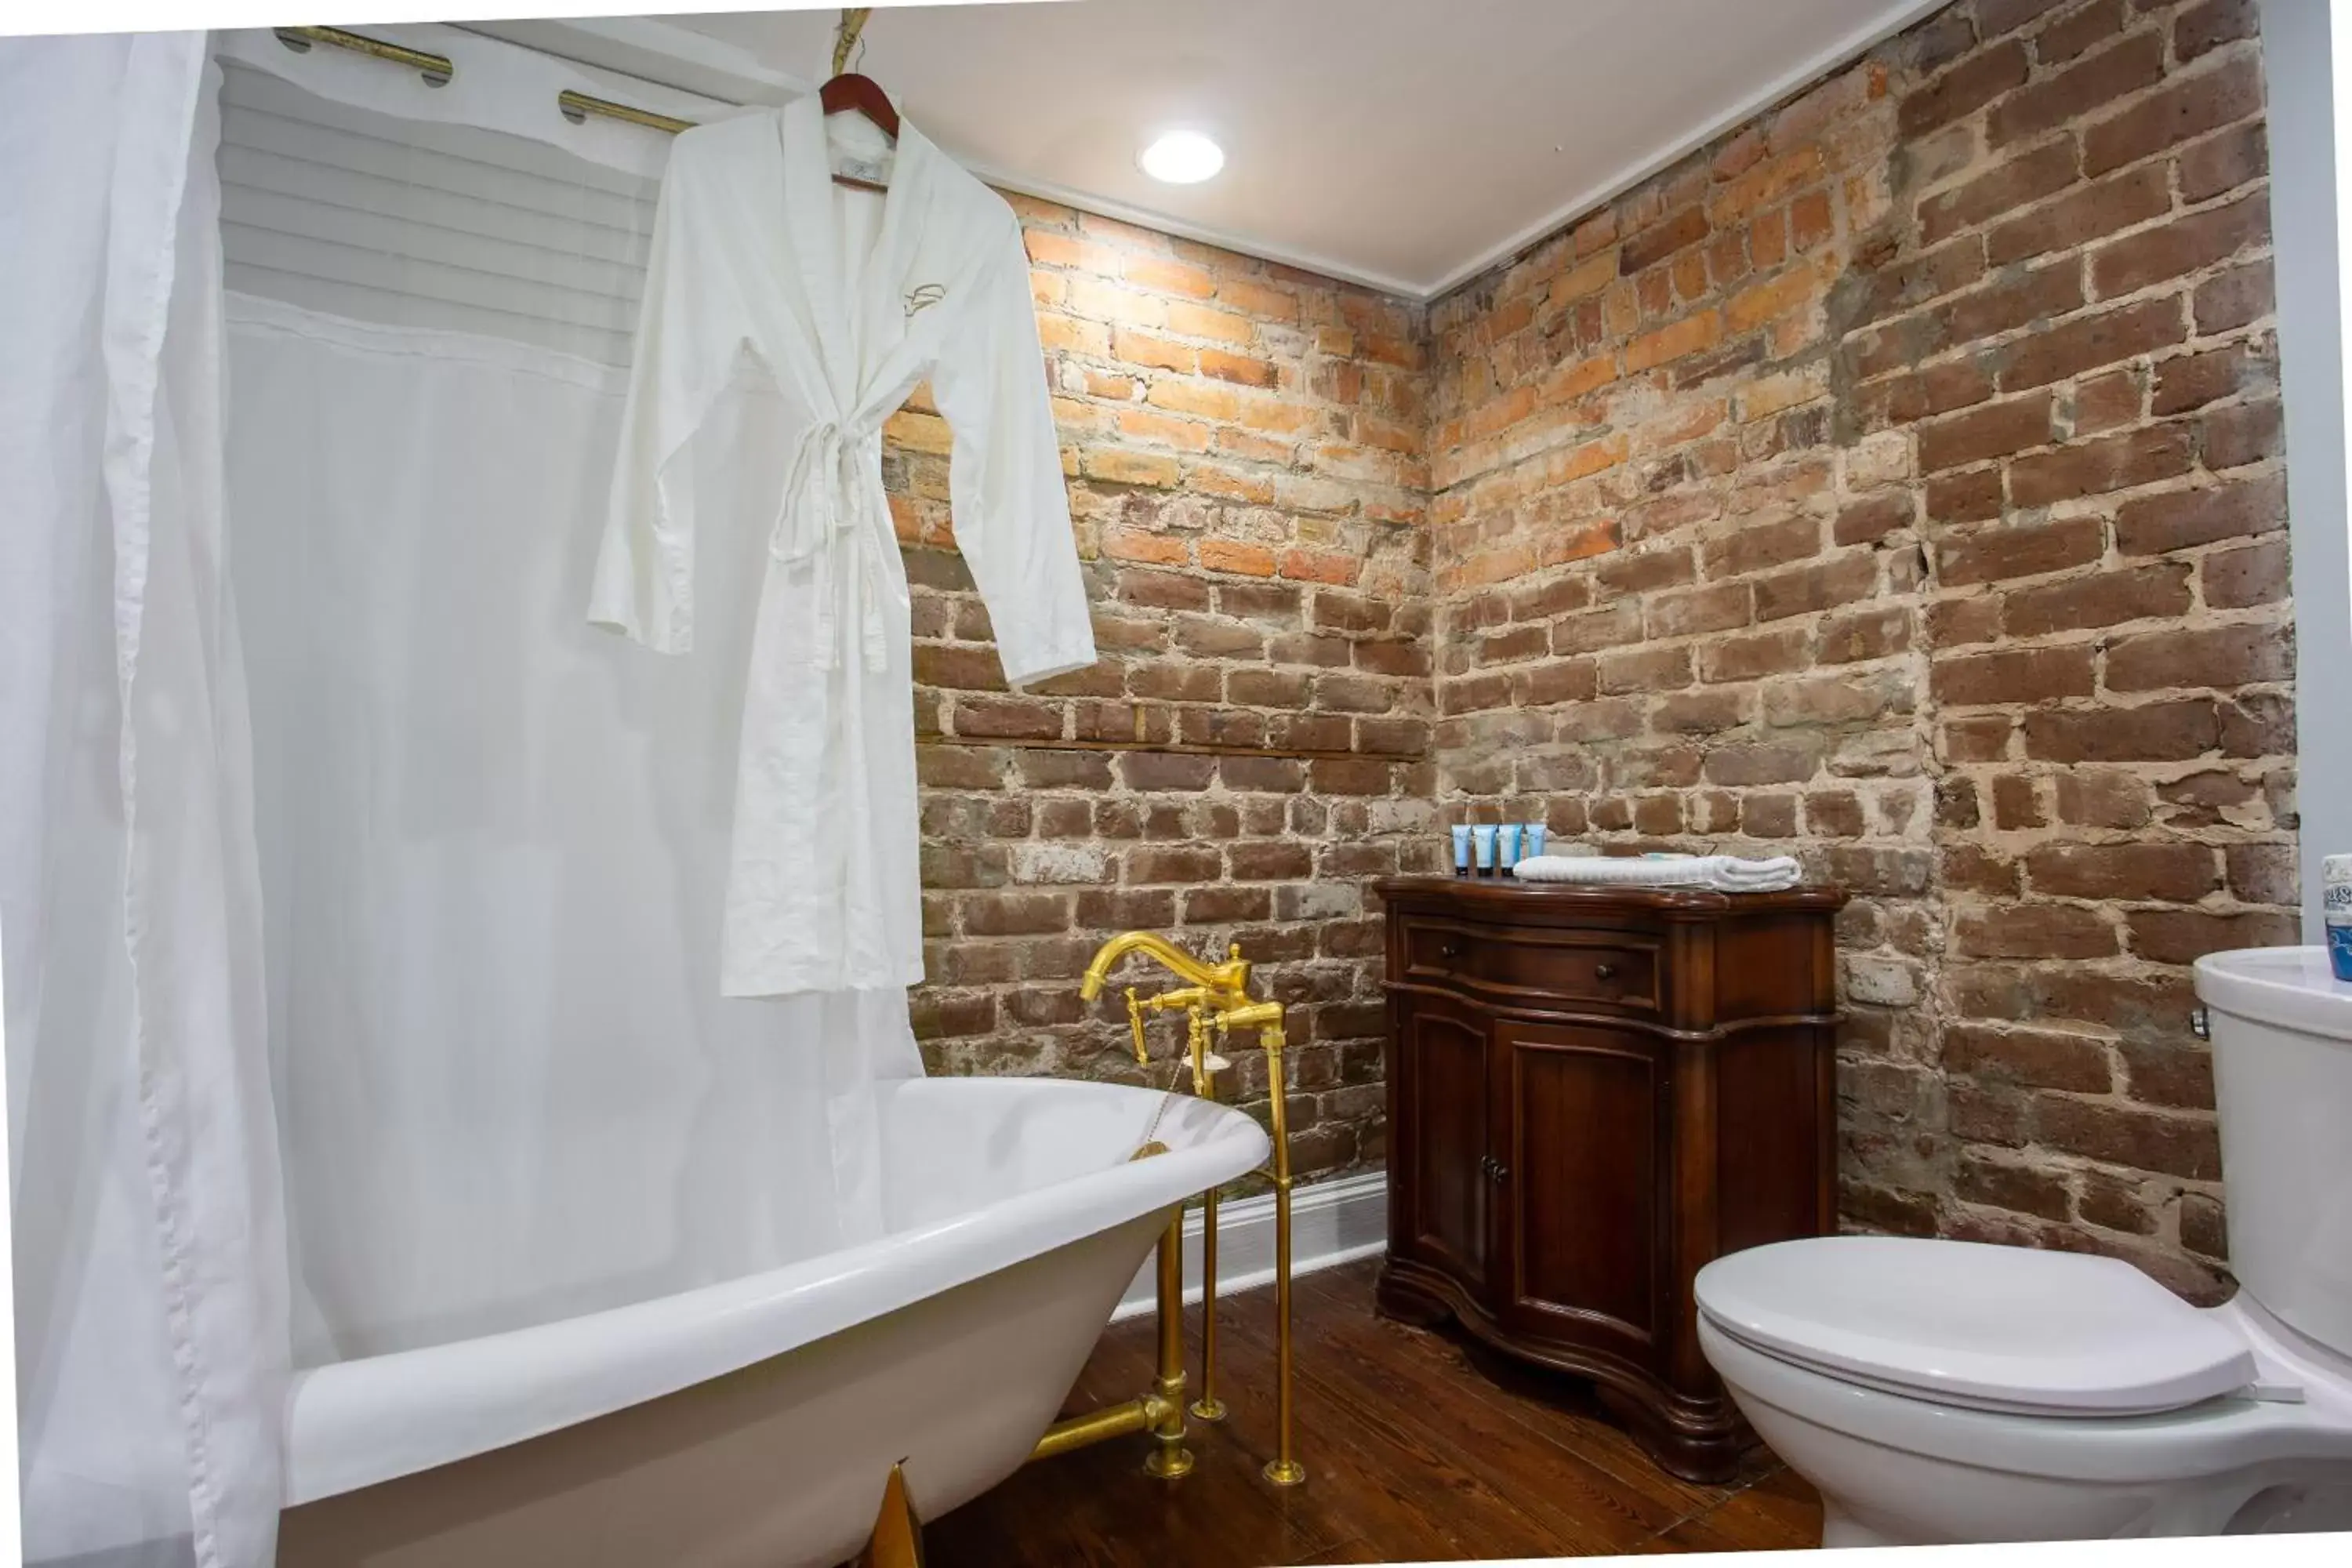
column 1244, row 449
column 1896, row 483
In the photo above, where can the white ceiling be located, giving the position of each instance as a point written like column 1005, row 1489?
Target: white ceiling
column 1403, row 144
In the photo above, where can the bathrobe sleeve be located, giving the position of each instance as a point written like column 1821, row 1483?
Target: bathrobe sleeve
column 1011, row 508
column 689, row 325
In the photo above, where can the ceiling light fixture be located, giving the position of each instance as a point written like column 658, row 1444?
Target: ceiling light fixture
column 1181, row 158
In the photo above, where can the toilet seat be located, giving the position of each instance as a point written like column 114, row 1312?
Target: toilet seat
column 1870, row 1427
column 2001, row 1329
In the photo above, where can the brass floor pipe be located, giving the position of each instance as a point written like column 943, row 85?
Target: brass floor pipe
column 1208, row 1407
column 1171, row 1459
column 1284, row 1469
column 1139, row 1415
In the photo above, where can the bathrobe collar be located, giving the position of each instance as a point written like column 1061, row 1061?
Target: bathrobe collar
column 872, row 329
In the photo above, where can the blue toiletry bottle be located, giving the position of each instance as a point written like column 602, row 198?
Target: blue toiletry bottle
column 1506, row 848
column 1481, row 839
column 2335, row 911
column 1461, row 848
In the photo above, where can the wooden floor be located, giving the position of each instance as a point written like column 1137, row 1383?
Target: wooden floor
column 1416, row 1445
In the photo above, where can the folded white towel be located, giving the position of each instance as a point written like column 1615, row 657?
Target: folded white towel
column 1724, row 873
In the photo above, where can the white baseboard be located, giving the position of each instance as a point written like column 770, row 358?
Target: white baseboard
column 1331, row 1223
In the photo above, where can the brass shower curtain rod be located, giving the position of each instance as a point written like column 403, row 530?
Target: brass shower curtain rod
column 438, row 70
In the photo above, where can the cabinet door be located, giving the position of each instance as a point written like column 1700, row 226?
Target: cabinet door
column 1440, row 1101
column 1582, row 1116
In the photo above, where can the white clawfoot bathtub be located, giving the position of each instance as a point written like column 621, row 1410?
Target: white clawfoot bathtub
column 756, row 1421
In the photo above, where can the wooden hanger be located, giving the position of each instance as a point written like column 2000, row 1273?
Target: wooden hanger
column 850, row 94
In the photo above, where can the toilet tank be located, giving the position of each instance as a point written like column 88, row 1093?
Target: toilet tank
column 2282, row 1029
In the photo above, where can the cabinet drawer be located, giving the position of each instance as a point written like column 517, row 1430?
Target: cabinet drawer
column 1606, row 968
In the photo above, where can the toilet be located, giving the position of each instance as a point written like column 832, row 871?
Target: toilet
column 1948, row 1391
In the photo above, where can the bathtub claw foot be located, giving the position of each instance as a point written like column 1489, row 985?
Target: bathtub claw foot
column 897, row 1539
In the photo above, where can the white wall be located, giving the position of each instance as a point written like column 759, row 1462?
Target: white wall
column 2307, row 56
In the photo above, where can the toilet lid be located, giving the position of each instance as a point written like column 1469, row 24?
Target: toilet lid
column 2001, row 1328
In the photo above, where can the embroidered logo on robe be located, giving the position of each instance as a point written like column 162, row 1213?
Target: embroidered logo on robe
column 923, row 296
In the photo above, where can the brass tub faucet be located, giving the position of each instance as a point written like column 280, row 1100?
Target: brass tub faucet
column 1213, row 997
column 1226, row 983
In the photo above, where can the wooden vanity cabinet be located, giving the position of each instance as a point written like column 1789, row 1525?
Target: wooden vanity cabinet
column 1591, row 1092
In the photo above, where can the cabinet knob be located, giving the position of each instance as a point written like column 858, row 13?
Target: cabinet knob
column 1494, row 1170
column 1449, row 948
column 1604, row 972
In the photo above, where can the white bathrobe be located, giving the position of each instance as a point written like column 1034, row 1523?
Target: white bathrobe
column 850, row 298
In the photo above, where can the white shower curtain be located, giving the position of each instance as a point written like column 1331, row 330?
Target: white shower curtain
column 388, row 1012
column 493, row 837
column 493, row 843
column 151, row 1341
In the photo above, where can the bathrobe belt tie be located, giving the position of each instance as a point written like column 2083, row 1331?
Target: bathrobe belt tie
column 836, row 515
